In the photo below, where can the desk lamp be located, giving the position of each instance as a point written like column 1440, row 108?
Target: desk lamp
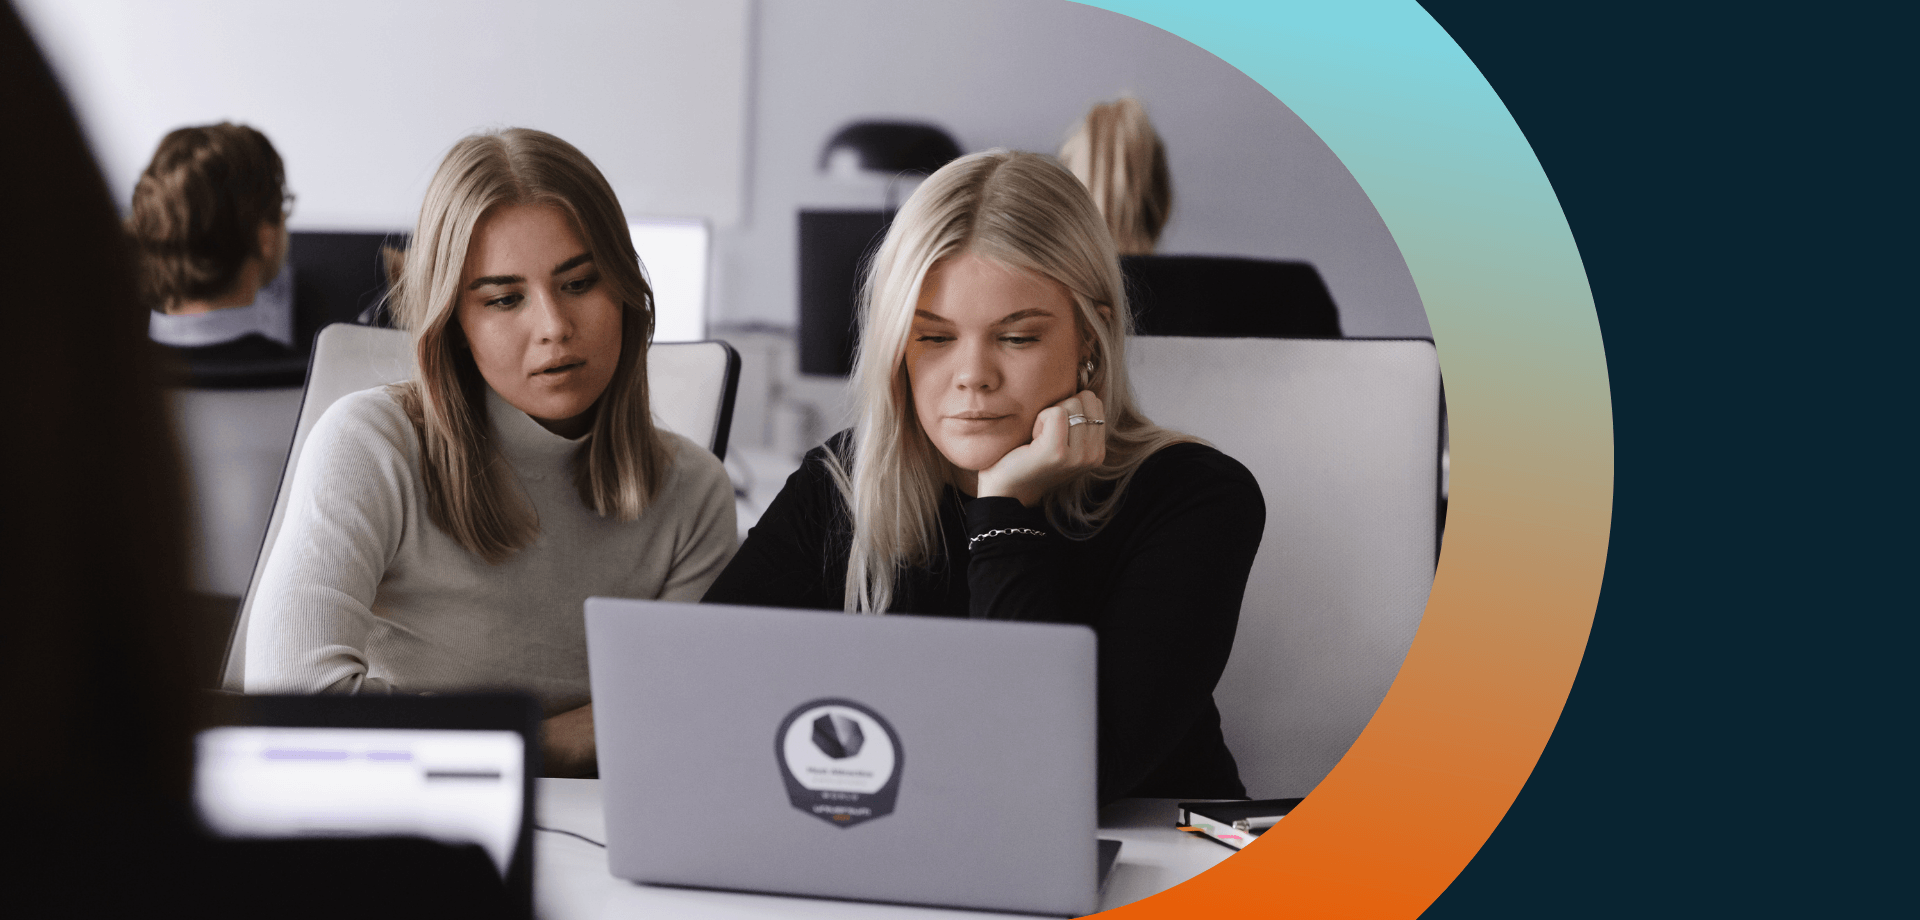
column 887, row 147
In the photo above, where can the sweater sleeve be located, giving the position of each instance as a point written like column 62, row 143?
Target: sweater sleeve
column 1185, row 538
column 787, row 560
column 346, row 512
column 703, row 549
column 1015, row 568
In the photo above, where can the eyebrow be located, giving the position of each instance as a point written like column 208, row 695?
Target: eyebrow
column 1013, row 317
column 492, row 280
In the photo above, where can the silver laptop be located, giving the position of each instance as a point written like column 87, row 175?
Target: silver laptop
column 917, row 760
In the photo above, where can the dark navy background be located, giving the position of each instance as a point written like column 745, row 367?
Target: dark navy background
column 1738, row 179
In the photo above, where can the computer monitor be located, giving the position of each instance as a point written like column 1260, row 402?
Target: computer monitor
column 675, row 252
column 458, row 769
column 834, row 249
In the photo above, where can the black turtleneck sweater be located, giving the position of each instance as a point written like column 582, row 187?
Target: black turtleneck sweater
column 1160, row 584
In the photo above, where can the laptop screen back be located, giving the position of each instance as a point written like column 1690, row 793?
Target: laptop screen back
column 443, row 784
column 457, row 769
column 899, row 758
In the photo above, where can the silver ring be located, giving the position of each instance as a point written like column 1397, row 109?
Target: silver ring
column 1096, row 421
column 1073, row 420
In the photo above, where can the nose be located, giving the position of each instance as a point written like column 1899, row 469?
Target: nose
column 551, row 321
column 978, row 367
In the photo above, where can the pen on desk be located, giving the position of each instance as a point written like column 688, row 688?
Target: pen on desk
column 1234, row 823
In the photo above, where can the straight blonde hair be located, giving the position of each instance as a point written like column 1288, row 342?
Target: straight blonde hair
column 1115, row 152
column 470, row 490
column 1024, row 211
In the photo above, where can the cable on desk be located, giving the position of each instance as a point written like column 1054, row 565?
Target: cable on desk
column 555, row 830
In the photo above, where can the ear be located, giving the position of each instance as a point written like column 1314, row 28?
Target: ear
column 269, row 242
column 1087, row 337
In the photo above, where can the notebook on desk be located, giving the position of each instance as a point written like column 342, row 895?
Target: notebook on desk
column 904, row 759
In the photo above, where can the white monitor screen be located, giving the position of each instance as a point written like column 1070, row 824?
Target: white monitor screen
column 455, row 786
column 675, row 255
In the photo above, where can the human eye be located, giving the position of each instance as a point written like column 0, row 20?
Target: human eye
column 1019, row 339
column 580, row 285
column 932, row 338
column 506, row 300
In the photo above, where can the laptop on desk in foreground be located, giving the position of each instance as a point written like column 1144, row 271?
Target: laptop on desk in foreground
column 905, row 759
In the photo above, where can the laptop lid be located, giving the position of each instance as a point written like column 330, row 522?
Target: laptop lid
column 907, row 759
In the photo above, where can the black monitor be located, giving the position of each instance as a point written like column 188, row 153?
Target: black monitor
column 337, row 278
column 835, row 247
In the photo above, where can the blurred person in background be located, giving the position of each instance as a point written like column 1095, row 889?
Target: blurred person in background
column 1115, row 153
column 209, row 229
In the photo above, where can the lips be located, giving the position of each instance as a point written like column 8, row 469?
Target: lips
column 560, row 367
column 976, row 422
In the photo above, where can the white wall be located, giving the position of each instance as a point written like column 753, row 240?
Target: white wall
column 362, row 97
column 714, row 110
column 1249, row 177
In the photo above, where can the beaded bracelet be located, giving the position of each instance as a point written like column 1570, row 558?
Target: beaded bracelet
column 997, row 531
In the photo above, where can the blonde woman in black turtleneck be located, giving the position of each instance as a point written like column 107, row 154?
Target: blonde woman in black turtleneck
column 998, row 468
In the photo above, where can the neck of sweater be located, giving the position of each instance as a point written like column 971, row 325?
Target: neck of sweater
column 534, row 452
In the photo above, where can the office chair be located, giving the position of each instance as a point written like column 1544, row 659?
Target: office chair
column 336, row 278
column 1343, row 436
column 237, row 408
column 691, row 386
column 233, row 443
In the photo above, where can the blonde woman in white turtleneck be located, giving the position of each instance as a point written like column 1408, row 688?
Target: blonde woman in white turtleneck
column 442, row 534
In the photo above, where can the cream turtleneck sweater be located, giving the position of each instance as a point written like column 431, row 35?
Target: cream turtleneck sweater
column 364, row 594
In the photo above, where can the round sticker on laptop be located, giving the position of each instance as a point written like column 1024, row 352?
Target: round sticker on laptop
column 840, row 760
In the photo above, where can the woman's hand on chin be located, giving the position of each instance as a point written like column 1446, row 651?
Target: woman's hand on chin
column 1058, row 452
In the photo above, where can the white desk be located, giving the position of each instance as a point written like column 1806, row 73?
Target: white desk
column 571, row 880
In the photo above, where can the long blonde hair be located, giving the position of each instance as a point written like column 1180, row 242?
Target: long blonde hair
column 469, row 489
column 1116, row 154
column 1024, row 211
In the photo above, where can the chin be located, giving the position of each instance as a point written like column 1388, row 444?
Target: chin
column 554, row 410
column 975, row 454
column 569, row 413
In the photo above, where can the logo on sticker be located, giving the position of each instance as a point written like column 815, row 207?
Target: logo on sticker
column 840, row 760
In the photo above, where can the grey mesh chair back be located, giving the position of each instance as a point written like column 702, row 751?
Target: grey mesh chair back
column 691, row 387
column 1343, row 436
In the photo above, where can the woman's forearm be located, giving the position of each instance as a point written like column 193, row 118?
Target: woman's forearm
column 566, row 744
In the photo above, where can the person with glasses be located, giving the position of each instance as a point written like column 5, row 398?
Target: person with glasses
column 209, row 228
